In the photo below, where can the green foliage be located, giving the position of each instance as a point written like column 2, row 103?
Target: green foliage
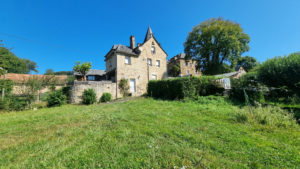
column 270, row 116
column 124, row 87
column 184, row 87
column 7, row 85
column 67, row 92
column 13, row 103
column 247, row 62
column 106, row 97
column 56, row 98
column 281, row 72
column 89, row 96
column 49, row 72
column 255, row 90
column 82, row 68
column 14, row 64
column 174, row 70
column 215, row 42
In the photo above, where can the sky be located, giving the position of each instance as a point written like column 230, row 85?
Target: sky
column 57, row 33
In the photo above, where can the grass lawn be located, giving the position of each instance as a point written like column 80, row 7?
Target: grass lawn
column 143, row 133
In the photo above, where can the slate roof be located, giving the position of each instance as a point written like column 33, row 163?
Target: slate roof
column 124, row 49
column 92, row 72
column 149, row 34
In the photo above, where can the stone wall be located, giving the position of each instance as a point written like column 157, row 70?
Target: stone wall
column 99, row 87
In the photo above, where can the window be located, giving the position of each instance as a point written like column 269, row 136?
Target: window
column 91, row 78
column 196, row 72
column 127, row 60
column 157, row 63
column 188, row 72
column 190, row 64
column 149, row 62
column 186, row 64
column 154, row 77
column 153, row 49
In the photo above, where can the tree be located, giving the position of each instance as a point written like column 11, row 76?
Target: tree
column 215, row 42
column 174, row 70
column 247, row 62
column 14, row 64
column 49, row 72
column 82, row 68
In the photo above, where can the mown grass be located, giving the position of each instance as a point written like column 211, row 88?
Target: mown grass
column 144, row 133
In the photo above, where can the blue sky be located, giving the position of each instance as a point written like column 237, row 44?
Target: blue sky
column 57, row 33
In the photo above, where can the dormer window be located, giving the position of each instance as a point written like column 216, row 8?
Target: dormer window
column 152, row 48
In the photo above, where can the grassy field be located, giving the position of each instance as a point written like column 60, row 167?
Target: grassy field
column 144, row 133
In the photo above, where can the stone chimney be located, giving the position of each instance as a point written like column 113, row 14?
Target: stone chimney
column 132, row 42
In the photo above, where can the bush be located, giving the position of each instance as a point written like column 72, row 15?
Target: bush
column 56, row 98
column 281, row 72
column 185, row 87
column 255, row 91
column 89, row 96
column 270, row 116
column 124, row 87
column 106, row 97
column 67, row 92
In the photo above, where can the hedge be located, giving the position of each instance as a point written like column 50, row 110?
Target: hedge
column 184, row 87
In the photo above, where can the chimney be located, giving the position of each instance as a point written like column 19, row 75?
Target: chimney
column 132, row 42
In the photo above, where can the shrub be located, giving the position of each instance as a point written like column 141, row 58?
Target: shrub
column 255, row 91
column 106, row 97
column 124, row 87
column 281, row 72
column 67, row 92
column 270, row 116
column 88, row 96
column 184, row 87
column 55, row 98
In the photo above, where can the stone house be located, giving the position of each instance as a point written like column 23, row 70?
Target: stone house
column 186, row 67
column 138, row 64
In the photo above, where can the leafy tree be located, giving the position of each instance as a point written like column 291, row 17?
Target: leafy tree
column 282, row 72
column 215, row 42
column 82, row 68
column 174, row 70
column 49, row 72
column 14, row 64
column 247, row 62
column 124, row 87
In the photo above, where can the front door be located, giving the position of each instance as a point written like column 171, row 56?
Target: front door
column 132, row 85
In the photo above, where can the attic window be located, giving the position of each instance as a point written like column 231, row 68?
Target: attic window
column 153, row 49
column 127, row 60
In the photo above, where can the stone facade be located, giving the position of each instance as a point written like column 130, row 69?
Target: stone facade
column 99, row 87
column 187, row 67
column 140, row 64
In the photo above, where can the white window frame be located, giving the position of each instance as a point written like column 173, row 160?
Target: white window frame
column 154, row 77
column 149, row 61
column 157, row 63
column 127, row 60
column 188, row 72
column 153, row 49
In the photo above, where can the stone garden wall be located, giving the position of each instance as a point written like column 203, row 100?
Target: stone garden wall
column 99, row 87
